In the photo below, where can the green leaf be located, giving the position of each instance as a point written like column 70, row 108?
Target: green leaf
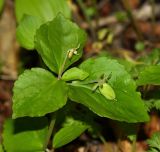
column 128, row 107
column 74, row 74
column 152, row 58
column 1, row 148
column 91, row 11
column 54, row 39
column 70, row 131
column 37, row 92
column 154, row 142
column 1, row 4
column 153, row 150
column 156, row 104
column 33, row 13
column 149, row 105
column 150, row 75
column 25, row 135
column 153, row 103
column 45, row 9
column 127, row 64
column 26, row 31
column 121, row 16
column 140, row 46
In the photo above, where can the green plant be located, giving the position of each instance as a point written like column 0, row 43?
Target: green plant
column 1, row 4
column 30, row 14
column 55, row 104
column 154, row 142
column 139, row 46
column 39, row 92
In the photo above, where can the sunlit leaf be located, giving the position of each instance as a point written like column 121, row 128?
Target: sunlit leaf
column 37, row 92
column 55, row 39
column 74, row 74
column 33, row 13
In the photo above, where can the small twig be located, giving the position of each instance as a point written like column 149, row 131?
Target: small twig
column 101, row 4
column 96, row 13
column 152, row 2
column 50, row 130
column 83, row 8
column 48, row 150
column 7, row 78
column 139, row 14
column 127, row 7
column 145, row 90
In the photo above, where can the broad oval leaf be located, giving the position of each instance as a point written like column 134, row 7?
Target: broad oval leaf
column 54, row 39
column 128, row 107
column 74, row 74
column 1, row 4
column 25, row 134
column 1, row 148
column 70, row 131
column 45, row 9
column 37, row 92
column 33, row 13
column 150, row 75
column 26, row 31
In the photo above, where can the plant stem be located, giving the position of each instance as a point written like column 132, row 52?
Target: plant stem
column 102, row 138
column 62, row 68
column 145, row 90
column 130, row 15
column 134, row 145
column 83, row 8
column 50, row 130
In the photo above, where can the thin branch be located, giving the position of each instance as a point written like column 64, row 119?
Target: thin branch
column 7, row 78
column 152, row 2
column 127, row 7
column 143, row 14
column 102, row 138
column 83, row 8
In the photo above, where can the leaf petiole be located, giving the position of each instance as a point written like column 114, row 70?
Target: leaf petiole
column 50, row 130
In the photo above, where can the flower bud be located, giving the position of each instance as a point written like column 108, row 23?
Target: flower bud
column 107, row 91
